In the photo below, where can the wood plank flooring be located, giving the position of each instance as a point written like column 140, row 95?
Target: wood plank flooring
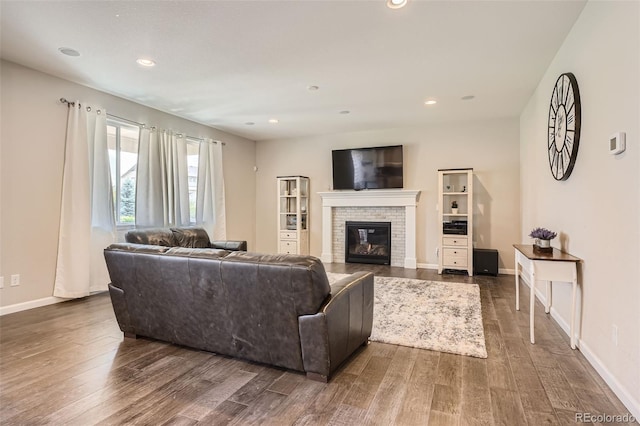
column 69, row 364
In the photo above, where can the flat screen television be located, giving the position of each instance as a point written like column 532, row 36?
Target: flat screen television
column 368, row 168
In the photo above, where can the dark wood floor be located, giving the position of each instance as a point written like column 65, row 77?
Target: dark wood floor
column 69, row 364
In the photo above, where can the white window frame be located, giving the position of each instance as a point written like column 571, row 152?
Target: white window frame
column 118, row 124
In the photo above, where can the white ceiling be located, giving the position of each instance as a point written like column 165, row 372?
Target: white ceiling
column 226, row 63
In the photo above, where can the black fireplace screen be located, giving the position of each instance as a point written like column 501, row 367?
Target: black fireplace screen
column 368, row 242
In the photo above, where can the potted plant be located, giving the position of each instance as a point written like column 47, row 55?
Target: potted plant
column 454, row 207
column 543, row 238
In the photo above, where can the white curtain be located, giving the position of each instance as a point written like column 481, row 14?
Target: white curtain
column 87, row 223
column 210, row 200
column 149, row 182
column 162, row 193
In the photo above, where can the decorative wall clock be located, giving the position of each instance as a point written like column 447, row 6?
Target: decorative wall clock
column 564, row 126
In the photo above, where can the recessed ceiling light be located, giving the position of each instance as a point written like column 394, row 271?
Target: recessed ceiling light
column 69, row 51
column 345, row 112
column 249, row 123
column 467, row 98
column 146, row 62
column 396, row 4
column 430, row 102
column 273, row 120
column 312, row 88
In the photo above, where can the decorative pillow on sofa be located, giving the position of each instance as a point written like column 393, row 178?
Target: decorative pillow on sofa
column 191, row 237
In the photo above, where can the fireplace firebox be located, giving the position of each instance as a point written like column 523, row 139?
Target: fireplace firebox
column 368, row 242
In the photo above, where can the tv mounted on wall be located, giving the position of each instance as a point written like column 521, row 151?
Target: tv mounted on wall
column 368, row 168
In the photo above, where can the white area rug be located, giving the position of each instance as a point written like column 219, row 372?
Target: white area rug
column 434, row 315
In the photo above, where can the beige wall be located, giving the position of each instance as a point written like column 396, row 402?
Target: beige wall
column 32, row 150
column 491, row 148
column 596, row 211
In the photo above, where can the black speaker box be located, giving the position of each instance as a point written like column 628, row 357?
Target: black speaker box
column 485, row 262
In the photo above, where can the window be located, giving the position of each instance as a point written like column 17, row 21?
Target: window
column 193, row 156
column 122, row 141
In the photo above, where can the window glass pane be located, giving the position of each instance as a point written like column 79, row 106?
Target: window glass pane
column 112, row 146
column 193, row 151
column 128, row 168
column 122, row 140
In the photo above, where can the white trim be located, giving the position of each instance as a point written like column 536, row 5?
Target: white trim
column 18, row 307
column 368, row 198
column 621, row 392
column 632, row 404
column 371, row 198
column 435, row 266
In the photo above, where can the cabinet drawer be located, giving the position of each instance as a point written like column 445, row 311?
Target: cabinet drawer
column 288, row 247
column 454, row 257
column 454, row 241
column 454, row 252
column 454, row 262
column 288, row 235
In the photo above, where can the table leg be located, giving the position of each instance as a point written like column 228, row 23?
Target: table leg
column 532, row 301
column 517, row 284
column 547, row 305
column 573, row 309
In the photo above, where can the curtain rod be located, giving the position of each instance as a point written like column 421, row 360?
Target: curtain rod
column 180, row 135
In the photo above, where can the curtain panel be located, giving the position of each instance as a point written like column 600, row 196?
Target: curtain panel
column 87, row 222
column 162, row 192
column 210, row 199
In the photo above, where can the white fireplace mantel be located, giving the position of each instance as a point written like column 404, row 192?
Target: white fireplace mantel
column 371, row 198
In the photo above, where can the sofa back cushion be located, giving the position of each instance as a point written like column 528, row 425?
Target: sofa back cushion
column 298, row 280
column 155, row 237
column 191, row 237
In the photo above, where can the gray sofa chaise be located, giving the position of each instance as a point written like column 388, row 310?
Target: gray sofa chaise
column 273, row 309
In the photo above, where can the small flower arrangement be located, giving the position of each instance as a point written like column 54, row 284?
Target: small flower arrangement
column 542, row 234
column 454, row 204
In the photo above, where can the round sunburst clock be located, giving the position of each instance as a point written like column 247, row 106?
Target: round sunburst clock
column 564, row 126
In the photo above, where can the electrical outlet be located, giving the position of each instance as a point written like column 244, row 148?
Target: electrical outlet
column 614, row 334
column 15, row 280
column 1, row 282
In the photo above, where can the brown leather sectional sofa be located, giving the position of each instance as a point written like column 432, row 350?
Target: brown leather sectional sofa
column 273, row 309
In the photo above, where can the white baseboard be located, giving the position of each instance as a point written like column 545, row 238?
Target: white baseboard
column 18, row 307
column 435, row 266
column 621, row 392
column 632, row 404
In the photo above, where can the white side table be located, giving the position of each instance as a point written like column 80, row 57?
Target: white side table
column 550, row 266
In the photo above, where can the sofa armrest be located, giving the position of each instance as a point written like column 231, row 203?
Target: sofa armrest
column 342, row 324
column 121, row 310
column 230, row 245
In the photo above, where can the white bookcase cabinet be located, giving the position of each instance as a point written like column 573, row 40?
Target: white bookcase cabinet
column 456, row 249
column 293, row 214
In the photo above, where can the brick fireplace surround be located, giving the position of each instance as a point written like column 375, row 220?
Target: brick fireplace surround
column 397, row 206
